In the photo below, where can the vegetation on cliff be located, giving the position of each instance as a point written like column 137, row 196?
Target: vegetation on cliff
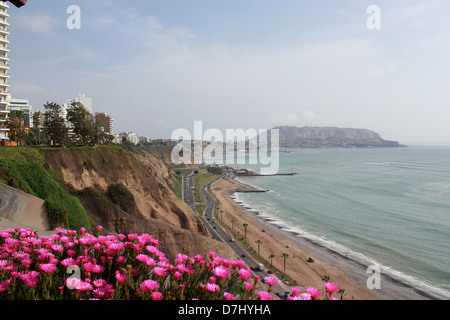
column 23, row 168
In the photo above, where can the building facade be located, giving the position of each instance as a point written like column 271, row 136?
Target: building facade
column 4, row 70
column 85, row 101
column 22, row 105
column 105, row 121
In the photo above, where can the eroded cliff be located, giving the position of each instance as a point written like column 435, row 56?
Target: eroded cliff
column 130, row 193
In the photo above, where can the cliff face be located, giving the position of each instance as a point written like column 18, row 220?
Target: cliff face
column 313, row 137
column 131, row 193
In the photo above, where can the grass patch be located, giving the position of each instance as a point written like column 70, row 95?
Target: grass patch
column 177, row 185
column 200, row 209
column 201, row 179
column 24, row 169
column 31, row 177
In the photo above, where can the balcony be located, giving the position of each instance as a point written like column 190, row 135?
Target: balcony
column 4, row 12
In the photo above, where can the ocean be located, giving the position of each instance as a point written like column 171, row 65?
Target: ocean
column 388, row 206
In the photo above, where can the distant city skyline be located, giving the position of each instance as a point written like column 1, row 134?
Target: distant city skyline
column 156, row 66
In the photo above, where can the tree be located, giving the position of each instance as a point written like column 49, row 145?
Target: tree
column 258, row 242
column 245, row 225
column 271, row 259
column 284, row 256
column 83, row 124
column 55, row 124
column 37, row 125
column 17, row 130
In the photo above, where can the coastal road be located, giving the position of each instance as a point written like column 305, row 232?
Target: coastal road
column 188, row 190
column 221, row 234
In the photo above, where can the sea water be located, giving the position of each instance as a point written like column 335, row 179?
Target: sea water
column 391, row 206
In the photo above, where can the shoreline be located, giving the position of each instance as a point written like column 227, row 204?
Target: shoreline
column 349, row 270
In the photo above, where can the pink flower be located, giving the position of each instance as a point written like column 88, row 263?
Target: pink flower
column 99, row 228
column 157, row 296
column 211, row 287
column 69, row 262
column 99, row 283
column 142, row 257
column 4, row 285
column 295, row 292
column 58, row 247
column 306, row 296
column 249, row 286
column 47, row 267
column 212, row 255
column 331, row 287
column 149, row 285
column 221, row 272
column 152, row 249
column 121, row 278
column 262, row 295
column 103, row 293
column 245, row 274
column 177, row 275
column 271, row 281
column 228, row 296
column 160, row 272
column 315, row 293
column 31, row 278
column 26, row 262
column 70, row 252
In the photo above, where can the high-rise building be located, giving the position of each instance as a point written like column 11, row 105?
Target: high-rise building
column 4, row 67
column 105, row 121
column 85, row 101
column 22, row 105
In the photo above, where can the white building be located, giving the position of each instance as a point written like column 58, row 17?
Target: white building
column 4, row 68
column 24, row 106
column 85, row 101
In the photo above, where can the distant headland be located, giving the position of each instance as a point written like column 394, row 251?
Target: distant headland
column 332, row 137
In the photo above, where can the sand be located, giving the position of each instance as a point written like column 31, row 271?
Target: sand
column 350, row 274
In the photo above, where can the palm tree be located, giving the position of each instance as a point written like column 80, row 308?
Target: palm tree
column 245, row 231
column 284, row 256
column 258, row 242
column 271, row 259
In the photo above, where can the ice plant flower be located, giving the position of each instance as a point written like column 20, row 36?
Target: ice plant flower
column 157, row 296
column 228, row 296
column 149, row 285
column 160, row 272
column 211, row 287
column 104, row 263
column 271, row 281
column 47, row 267
column 121, row 278
column 221, row 272
column 245, row 274
column 314, row 293
column 331, row 287
column 263, row 295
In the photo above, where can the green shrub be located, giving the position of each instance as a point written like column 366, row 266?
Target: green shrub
column 31, row 177
column 121, row 196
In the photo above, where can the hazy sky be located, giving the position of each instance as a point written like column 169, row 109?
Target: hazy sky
column 159, row 65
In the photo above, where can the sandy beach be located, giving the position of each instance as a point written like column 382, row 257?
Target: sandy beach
column 349, row 274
